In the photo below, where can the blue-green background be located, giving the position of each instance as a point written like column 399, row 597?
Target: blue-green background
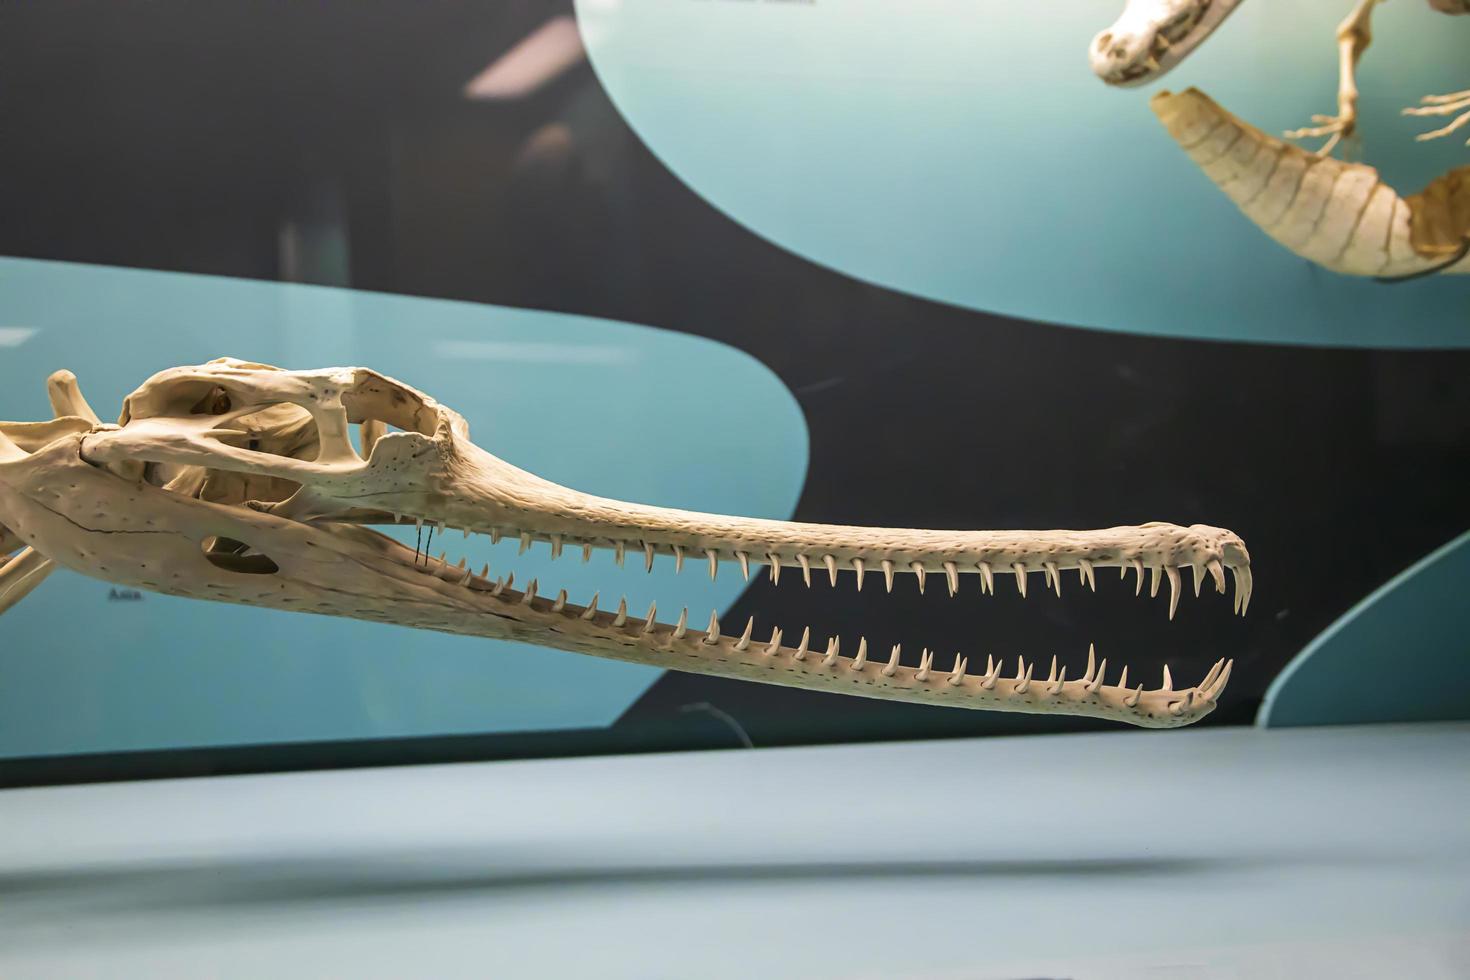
column 963, row 151
column 593, row 404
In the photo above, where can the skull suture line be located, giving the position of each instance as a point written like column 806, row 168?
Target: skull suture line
column 239, row 482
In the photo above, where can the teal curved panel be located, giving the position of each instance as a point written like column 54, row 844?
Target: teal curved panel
column 598, row 405
column 1400, row 655
column 964, row 152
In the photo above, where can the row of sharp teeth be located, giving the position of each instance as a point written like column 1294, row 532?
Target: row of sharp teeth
column 1171, row 34
column 1091, row 680
column 952, row 571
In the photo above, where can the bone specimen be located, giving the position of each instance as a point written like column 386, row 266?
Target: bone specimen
column 239, row 482
column 1339, row 215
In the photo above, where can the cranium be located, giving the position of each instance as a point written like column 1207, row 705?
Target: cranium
column 240, row 482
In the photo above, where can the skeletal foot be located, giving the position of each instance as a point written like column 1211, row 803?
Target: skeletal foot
column 1443, row 105
column 1334, row 128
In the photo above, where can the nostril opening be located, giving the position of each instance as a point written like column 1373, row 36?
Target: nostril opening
column 237, row 556
column 1103, row 40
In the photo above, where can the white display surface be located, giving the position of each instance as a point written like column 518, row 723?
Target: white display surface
column 1301, row 853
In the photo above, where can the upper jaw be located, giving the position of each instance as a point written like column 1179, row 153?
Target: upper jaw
column 432, row 472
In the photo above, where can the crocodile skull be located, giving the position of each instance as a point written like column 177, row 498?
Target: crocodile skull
column 1152, row 36
column 239, row 482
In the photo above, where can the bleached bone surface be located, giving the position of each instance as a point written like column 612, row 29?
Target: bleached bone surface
column 1339, row 215
column 239, row 482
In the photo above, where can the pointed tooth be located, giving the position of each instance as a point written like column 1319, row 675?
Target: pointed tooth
column 622, row 616
column 744, row 560
column 530, row 593
column 1217, row 572
column 775, row 561
column 678, row 559
column 1132, row 702
column 502, row 584
column 1155, row 580
column 1214, row 692
column 926, row 662
column 1179, row 707
column 651, row 619
column 952, row 575
column 888, row 574
column 1053, row 576
column 1168, row 681
column 1245, row 584
column 1210, row 677
column 1199, row 576
column 806, row 568
column 586, row 552
column 1091, row 663
column 1051, row 677
column 590, row 613
column 744, row 640
column 957, row 673
column 1123, row 681
column 1138, row 567
column 495, row 535
column 830, row 561
column 465, row 578
column 857, row 567
column 440, row 526
column 892, row 667
column 1056, row 687
column 682, row 627
column 992, row 672
column 1096, row 682
column 442, row 563
column 647, row 557
column 561, row 601
column 775, row 644
column 397, row 517
column 987, row 578
column 834, row 647
column 714, row 563
column 1026, row 680
column 1085, row 572
column 525, row 542
column 556, row 543
column 712, row 632
column 461, row 564
column 861, row 659
column 418, row 523
column 485, row 572
column 918, row 569
column 1173, row 574
column 806, row 639
column 1020, row 571
column 620, row 552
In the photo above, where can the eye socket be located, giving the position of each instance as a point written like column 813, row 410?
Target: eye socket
column 237, row 556
column 215, row 402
